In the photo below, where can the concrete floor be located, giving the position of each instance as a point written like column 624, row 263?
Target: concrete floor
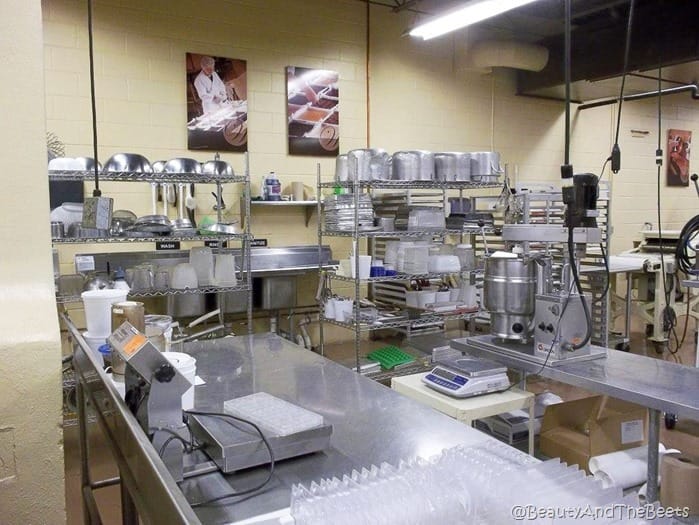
column 102, row 464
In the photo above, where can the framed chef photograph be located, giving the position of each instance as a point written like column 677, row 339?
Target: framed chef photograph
column 679, row 144
column 217, row 103
column 313, row 111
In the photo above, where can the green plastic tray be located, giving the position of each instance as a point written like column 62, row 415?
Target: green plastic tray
column 390, row 356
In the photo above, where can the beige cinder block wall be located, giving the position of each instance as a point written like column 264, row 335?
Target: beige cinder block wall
column 420, row 96
column 31, row 452
column 423, row 95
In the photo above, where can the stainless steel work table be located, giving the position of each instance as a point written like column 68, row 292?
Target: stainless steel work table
column 653, row 383
column 371, row 424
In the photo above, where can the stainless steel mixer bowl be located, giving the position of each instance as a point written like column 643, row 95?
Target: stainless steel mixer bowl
column 182, row 165
column 217, row 167
column 129, row 162
column 86, row 164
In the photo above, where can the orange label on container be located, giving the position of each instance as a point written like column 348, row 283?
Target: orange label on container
column 133, row 344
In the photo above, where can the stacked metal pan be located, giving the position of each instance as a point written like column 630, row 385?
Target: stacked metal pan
column 339, row 212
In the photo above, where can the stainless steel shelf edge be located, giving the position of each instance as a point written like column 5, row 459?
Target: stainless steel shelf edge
column 168, row 292
column 400, row 323
column 164, row 238
column 412, row 184
column 130, row 176
column 405, row 233
column 283, row 203
column 649, row 382
column 398, row 277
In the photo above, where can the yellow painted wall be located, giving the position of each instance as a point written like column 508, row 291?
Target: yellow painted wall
column 31, row 451
column 420, row 95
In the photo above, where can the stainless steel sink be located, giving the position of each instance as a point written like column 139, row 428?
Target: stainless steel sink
column 273, row 270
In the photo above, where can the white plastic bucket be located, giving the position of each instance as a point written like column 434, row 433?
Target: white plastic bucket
column 187, row 366
column 98, row 309
column 94, row 343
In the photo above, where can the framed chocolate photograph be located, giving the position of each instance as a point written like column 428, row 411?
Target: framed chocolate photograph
column 217, row 105
column 679, row 144
column 313, row 111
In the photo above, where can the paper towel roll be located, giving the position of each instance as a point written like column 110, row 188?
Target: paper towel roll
column 625, row 468
column 297, row 191
column 680, row 482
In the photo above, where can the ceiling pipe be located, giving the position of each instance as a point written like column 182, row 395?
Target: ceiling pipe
column 693, row 88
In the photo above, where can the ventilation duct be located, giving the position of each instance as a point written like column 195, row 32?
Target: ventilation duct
column 488, row 54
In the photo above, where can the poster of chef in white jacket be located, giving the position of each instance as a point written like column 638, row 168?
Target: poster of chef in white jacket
column 216, row 103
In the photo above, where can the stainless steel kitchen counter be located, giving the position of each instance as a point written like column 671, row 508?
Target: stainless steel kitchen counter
column 649, row 382
column 653, row 383
column 372, row 424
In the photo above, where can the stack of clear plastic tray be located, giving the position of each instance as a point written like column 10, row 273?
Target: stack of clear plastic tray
column 486, row 483
column 274, row 416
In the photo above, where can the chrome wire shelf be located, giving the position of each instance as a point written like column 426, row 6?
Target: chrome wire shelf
column 390, row 278
column 409, row 233
column 423, row 320
column 162, row 238
column 138, row 176
column 244, row 287
column 413, row 184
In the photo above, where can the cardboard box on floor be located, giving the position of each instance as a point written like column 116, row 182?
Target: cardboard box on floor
column 577, row 430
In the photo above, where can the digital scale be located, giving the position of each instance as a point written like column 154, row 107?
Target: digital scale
column 467, row 376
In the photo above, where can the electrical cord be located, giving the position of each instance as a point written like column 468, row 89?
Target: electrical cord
column 188, row 445
column 553, row 341
column 96, row 192
column 227, row 418
column 684, row 246
column 616, row 152
column 668, row 314
column 576, row 279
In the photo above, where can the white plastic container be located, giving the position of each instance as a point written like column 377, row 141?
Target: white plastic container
column 466, row 256
column 468, row 294
column 443, row 297
column 364, row 266
column 343, row 309
column 426, row 297
column 329, row 309
column 187, row 366
column 94, row 342
column 202, row 258
column 411, row 298
column 98, row 310
column 224, row 271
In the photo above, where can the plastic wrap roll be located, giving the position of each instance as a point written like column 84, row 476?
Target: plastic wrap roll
column 680, row 482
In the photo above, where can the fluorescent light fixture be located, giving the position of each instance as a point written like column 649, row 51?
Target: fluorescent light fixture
column 471, row 13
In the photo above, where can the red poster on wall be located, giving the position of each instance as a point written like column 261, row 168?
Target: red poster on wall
column 679, row 143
